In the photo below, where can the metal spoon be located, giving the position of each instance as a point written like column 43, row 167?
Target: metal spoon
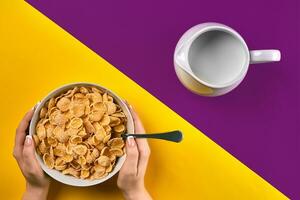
column 173, row 136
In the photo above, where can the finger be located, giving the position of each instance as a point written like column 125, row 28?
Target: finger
column 132, row 155
column 29, row 158
column 144, row 154
column 21, row 133
column 142, row 144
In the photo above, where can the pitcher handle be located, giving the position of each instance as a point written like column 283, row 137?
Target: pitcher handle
column 264, row 56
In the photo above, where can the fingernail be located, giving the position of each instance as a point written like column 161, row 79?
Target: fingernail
column 28, row 140
column 131, row 141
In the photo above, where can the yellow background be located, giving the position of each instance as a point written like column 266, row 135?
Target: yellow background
column 37, row 56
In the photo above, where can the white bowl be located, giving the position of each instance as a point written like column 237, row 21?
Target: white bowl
column 70, row 180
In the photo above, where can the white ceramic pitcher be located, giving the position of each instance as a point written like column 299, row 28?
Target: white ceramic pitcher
column 211, row 59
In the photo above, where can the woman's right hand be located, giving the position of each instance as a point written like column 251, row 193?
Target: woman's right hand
column 132, row 173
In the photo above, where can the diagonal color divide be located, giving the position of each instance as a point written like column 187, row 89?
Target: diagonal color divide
column 42, row 56
column 258, row 122
column 39, row 59
column 139, row 38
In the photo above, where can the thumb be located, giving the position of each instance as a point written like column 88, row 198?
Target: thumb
column 130, row 165
column 29, row 151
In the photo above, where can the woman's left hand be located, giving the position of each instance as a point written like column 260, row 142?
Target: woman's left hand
column 37, row 182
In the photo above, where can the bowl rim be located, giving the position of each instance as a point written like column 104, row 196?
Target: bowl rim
column 67, row 179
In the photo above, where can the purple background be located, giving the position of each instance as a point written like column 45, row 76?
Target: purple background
column 258, row 122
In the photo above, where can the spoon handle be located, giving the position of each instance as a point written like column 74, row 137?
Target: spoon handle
column 173, row 136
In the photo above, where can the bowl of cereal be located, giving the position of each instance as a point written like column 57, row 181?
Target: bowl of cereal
column 77, row 133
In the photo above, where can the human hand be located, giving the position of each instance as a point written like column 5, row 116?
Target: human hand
column 132, row 173
column 37, row 182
